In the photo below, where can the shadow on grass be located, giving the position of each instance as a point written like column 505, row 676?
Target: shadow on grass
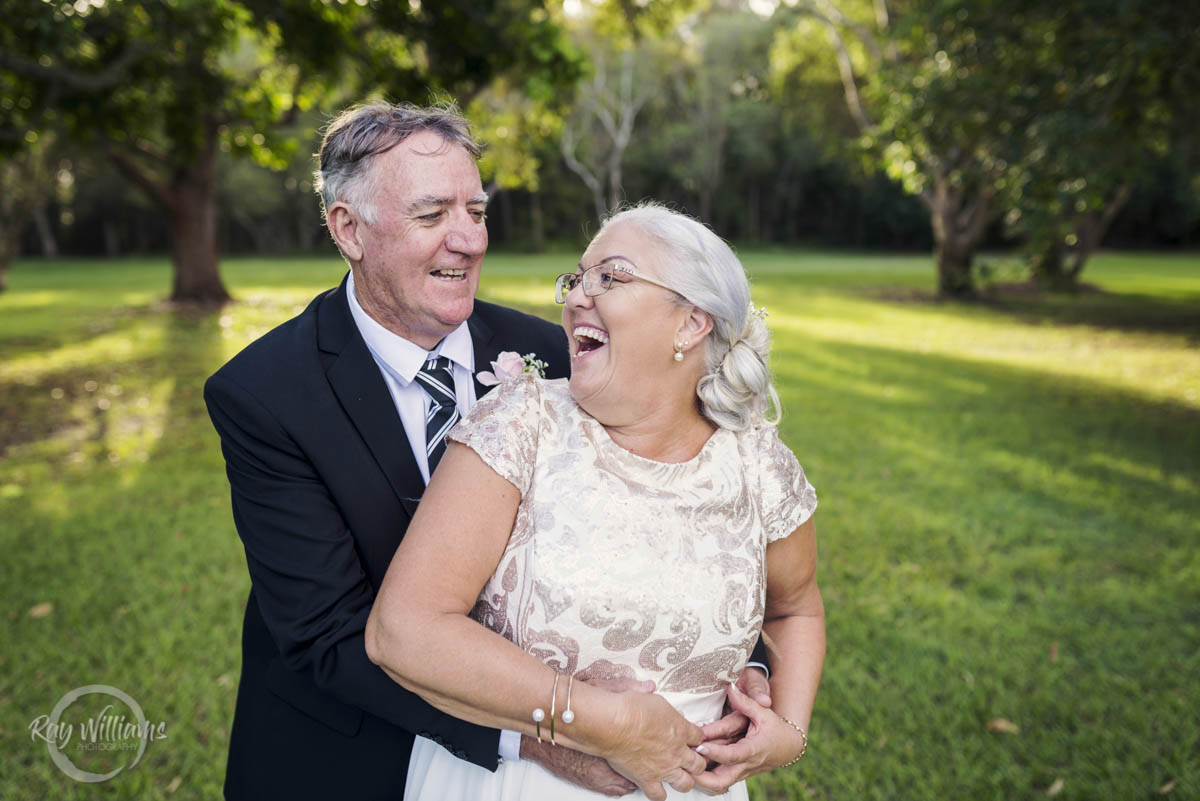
column 1091, row 306
column 972, row 516
column 137, row 554
column 979, row 429
column 75, row 328
column 1122, row 311
column 75, row 402
column 997, row 542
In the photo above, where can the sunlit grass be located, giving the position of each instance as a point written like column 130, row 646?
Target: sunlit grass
column 1009, row 495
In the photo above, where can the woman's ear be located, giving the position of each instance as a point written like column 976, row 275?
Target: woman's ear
column 343, row 225
column 696, row 326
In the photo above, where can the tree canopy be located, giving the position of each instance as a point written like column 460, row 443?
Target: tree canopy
column 161, row 87
column 952, row 123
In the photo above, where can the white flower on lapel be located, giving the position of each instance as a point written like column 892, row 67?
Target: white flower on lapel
column 510, row 364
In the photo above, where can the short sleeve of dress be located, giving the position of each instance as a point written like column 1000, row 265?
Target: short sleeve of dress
column 785, row 496
column 503, row 429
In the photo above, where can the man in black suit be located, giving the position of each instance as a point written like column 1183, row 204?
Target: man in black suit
column 330, row 425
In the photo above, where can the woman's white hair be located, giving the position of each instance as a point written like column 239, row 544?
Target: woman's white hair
column 736, row 390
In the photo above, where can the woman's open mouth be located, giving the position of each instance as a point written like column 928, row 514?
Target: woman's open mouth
column 588, row 339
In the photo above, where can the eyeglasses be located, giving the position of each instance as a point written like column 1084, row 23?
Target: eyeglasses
column 598, row 279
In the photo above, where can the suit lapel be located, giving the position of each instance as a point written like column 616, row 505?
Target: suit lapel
column 486, row 350
column 358, row 383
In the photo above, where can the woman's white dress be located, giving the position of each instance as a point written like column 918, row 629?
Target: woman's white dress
column 619, row 566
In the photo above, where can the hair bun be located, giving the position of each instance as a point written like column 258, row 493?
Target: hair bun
column 738, row 393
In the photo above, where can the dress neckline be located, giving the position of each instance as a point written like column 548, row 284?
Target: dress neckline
column 612, row 443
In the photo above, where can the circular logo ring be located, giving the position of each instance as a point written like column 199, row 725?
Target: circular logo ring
column 64, row 763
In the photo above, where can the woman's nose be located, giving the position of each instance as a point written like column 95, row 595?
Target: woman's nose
column 577, row 298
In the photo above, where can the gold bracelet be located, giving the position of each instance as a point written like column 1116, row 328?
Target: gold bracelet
column 553, row 703
column 568, row 715
column 803, row 736
column 539, row 715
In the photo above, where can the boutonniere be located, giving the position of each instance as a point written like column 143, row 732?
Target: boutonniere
column 510, row 364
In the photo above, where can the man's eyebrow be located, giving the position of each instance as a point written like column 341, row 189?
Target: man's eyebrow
column 435, row 200
column 430, row 200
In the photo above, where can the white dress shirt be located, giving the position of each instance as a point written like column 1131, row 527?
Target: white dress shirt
column 399, row 361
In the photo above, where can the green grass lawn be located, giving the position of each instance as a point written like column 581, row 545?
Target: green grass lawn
column 1009, row 492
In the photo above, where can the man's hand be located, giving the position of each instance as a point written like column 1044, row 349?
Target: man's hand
column 585, row 770
column 769, row 743
column 732, row 727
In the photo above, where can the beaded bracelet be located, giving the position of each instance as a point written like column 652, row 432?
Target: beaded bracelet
column 803, row 737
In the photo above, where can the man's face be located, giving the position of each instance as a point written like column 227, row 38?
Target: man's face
column 422, row 256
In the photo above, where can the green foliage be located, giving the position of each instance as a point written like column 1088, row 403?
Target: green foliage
column 1049, row 111
column 931, row 90
column 1116, row 94
column 625, row 22
column 159, row 87
column 1007, row 524
column 1038, row 110
column 244, row 65
column 518, row 130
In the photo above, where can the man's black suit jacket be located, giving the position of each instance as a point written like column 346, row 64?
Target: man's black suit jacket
column 324, row 484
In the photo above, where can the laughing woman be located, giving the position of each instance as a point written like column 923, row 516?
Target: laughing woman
column 642, row 520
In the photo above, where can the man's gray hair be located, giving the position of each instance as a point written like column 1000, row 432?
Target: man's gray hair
column 360, row 133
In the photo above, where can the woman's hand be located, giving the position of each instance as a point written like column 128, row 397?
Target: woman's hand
column 655, row 744
column 732, row 727
column 768, row 744
column 588, row 771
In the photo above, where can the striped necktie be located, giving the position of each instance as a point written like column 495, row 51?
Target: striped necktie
column 437, row 380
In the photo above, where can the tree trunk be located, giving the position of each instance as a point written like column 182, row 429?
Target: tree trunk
column 594, row 185
column 188, row 199
column 1048, row 268
column 8, row 254
column 705, row 205
column 193, row 220
column 10, row 231
column 506, row 217
column 954, row 270
column 1090, row 230
column 112, row 238
column 45, row 231
column 958, row 224
column 537, row 223
column 25, row 185
column 13, row 216
column 616, row 190
column 753, row 229
column 1058, row 266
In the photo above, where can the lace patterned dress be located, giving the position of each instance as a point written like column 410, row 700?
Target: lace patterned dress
column 620, row 566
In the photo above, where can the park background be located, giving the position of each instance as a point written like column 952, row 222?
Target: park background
column 970, row 223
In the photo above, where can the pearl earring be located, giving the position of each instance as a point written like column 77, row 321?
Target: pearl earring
column 678, row 352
